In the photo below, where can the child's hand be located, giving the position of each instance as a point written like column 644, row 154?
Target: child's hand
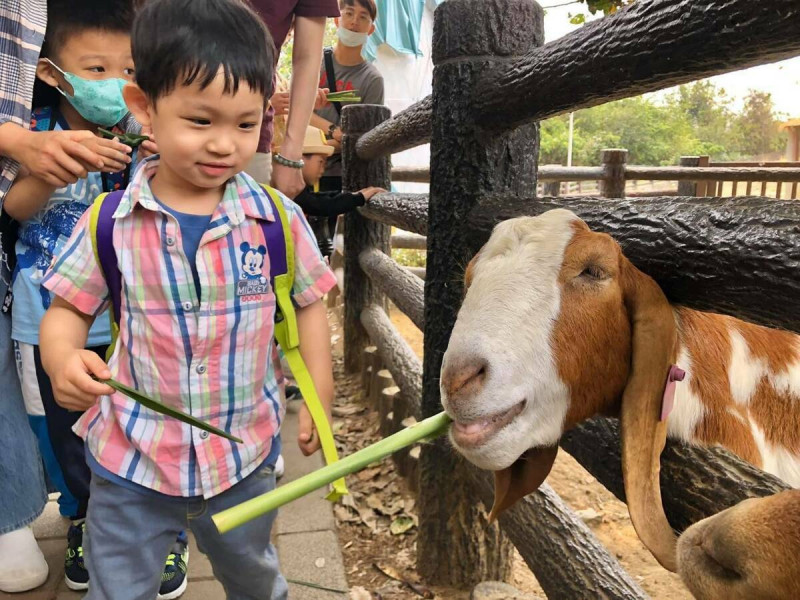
column 280, row 103
column 370, row 192
column 73, row 386
column 62, row 157
column 308, row 438
column 322, row 98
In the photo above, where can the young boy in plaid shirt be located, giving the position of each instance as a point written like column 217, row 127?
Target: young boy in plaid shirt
column 187, row 231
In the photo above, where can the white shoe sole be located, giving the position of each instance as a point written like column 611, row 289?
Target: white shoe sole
column 75, row 586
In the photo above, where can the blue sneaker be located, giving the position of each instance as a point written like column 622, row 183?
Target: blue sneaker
column 75, row 574
column 173, row 579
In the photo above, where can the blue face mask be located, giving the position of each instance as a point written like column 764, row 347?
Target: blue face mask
column 98, row 101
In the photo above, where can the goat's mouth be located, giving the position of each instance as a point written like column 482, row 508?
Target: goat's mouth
column 471, row 434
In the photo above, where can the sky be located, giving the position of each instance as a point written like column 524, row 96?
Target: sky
column 781, row 79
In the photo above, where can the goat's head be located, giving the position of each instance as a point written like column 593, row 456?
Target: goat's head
column 748, row 551
column 557, row 326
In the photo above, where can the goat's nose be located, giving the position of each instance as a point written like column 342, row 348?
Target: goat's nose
column 464, row 379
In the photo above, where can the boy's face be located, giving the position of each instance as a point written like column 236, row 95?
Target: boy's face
column 93, row 54
column 314, row 167
column 204, row 136
column 356, row 18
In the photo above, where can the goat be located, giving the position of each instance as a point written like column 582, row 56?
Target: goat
column 557, row 326
column 747, row 551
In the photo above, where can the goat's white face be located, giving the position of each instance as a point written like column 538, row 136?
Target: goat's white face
column 500, row 347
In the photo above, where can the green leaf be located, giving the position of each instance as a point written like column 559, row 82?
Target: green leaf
column 578, row 19
column 131, row 139
column 400, row 525
column 158, row 407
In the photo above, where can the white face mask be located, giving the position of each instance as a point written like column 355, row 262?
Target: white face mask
column 351, row 38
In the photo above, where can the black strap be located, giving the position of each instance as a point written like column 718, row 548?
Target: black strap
column 328, row 55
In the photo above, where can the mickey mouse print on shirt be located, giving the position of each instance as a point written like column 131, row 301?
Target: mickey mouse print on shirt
column 252, row 281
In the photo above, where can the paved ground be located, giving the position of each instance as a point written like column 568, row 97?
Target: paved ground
column 304, row 533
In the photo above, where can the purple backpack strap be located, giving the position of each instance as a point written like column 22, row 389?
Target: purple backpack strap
column 276, row 244
column 105, row 249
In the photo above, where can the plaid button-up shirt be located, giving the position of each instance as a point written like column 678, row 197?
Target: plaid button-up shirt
column 22, row 26
column 209, row 356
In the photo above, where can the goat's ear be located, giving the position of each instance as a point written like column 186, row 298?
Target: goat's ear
column 521, row 478
column 653, row 350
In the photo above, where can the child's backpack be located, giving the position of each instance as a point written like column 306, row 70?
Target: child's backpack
column 280, row 247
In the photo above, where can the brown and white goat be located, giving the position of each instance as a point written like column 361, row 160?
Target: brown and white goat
column 557, row 326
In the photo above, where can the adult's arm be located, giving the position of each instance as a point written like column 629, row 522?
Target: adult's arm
column 306, row 57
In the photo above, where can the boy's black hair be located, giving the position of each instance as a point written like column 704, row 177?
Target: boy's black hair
column 369, row 5
column 69, row 17
column 178, row 42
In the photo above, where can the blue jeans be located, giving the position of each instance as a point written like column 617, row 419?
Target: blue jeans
column 22, row 489
column 129, row 534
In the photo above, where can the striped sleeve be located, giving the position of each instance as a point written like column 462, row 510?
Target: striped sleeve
column 312, row 277
column 75, row 275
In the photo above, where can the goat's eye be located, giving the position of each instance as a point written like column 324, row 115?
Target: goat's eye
column 593, row 272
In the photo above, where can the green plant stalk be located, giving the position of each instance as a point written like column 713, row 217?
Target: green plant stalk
column 130, row 139
column 159, row 407
column 240, row 514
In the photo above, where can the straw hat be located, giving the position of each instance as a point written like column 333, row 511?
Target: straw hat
column 314, row 142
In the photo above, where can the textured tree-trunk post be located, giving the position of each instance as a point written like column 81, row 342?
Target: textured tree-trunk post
column 688, row 188
column 471, row 37
column 361, row 233
column 613, row 183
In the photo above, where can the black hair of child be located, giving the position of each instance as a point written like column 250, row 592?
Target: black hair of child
column 178, row 42
column 66, row 18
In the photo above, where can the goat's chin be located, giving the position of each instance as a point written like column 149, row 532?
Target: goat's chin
column 496, row 441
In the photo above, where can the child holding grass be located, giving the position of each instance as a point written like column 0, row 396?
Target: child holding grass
column 187, row 230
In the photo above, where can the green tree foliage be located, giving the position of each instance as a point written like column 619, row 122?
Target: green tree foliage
column 606, row 7
column 696, row 119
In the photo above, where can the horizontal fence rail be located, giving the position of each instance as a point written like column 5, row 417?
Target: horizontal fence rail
column 695, row 482
column 568, row 560
column 409, row 241
column 407, row 129
column 739, row 256
column 403, row 287
column 408, row 212
column 645, row 47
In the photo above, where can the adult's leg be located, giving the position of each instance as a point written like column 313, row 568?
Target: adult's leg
column 68, row 448
column 22, row 489
column 244, row 560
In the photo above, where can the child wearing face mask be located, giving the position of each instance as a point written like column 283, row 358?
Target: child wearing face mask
column 345, row 69
column 84, row 63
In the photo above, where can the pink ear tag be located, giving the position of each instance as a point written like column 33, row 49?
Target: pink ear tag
column 675, row 375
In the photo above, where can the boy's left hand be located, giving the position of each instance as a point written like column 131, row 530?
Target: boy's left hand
column 308, row 438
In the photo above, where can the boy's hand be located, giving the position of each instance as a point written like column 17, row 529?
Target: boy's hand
column 280, row 103
column 322, row 98
column 63, row 157
column 308, row 438
column 73, row 386
column 370, row 192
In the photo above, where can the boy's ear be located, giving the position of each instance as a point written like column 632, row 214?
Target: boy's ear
column 371, row 29
column 50, row 75
column 138, row 103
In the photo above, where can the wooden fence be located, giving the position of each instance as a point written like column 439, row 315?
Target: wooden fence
column 493, row 80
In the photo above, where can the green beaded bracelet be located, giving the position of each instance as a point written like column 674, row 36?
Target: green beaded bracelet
column 287, row 162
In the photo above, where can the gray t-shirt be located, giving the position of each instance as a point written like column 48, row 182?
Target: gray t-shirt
column 364, row 78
